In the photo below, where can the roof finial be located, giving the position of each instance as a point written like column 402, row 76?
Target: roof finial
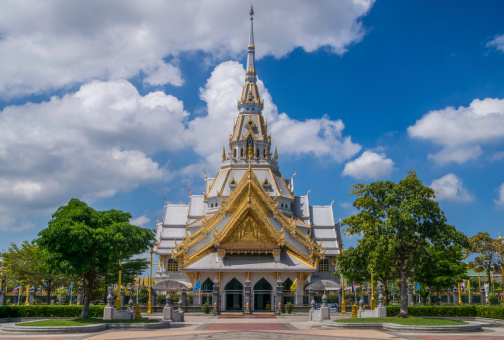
column 251, row 11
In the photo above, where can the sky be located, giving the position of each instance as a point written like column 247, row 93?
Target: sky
column 123, row 104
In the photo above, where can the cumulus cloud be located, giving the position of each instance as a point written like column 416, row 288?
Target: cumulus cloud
column 102, row 139
column 500, row 199
column 89, row 144
column 462, row 131
column 140, row 221
column 369, row 165
column 165, row 73
column 52, row 44
column 317, row 137
column 497, row 43
column 451, row 188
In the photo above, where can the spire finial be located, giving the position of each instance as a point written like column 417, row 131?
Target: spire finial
column 251, row 12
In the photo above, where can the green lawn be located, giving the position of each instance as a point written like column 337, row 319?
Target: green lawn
column 410, row 320
column 80, row 322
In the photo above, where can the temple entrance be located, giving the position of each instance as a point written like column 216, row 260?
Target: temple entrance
column 262, row 295
column 234, row 295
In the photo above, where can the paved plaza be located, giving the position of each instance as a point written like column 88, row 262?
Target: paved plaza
column 284, row 327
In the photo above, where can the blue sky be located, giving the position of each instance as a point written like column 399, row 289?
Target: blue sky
column 124, row 103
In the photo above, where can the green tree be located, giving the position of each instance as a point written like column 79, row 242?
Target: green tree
column 371, row 255
column 408, row 215
column 438, row 267
column 26, row 264
column 353, row 265
column 82, row 242
column 487, row 254
column 108, row 276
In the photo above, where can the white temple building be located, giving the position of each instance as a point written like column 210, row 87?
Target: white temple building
column 249, row 224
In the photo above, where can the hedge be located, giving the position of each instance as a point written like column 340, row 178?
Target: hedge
column 48, row 311
column 495, row 312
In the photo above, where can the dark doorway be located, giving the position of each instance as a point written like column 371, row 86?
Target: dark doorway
column 206, row 291
column 234, row 295
column 262, row 295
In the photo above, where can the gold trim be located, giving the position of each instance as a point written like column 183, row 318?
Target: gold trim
column 215, row 181
column 223, row 183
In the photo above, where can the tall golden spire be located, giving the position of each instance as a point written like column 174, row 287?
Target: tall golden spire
column 223, row 153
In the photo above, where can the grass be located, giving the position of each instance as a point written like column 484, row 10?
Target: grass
column 79, row 322
column 410, row 320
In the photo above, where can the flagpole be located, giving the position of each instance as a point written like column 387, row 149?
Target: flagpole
column 19, row 294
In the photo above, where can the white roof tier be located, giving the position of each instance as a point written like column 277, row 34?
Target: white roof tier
column 322, row 215
column 175, row 214
column 221, row 185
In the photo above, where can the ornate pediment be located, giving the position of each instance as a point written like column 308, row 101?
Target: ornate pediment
column 249, row 234
column 248, row 229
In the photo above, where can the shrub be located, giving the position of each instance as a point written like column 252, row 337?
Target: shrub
column 161, row 299
column 495, row 312
column 143, row 299
column 48, row 311
column 206, row 308
column 289, row 307
column 493, row 299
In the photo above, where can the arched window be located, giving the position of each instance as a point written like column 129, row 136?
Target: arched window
column 323, row 265
column 207, row 286
column 172, row 265
column 262, row 284
column 287, row 284
column 234, row 284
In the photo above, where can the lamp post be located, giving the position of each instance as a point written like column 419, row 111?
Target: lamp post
column 118, row 301
column 459, row 294
column 502, row 262
column 373, row 301
column 149, row 303
column 343, row 305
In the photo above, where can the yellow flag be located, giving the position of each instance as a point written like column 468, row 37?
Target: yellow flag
column 469, row 285
column 294, row 286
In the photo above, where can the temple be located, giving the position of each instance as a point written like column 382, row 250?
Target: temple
column 248, row 228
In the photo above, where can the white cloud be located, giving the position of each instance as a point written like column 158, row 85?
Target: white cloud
column 462, row 131
column 318, row 137
column 369, row 165
column 500, row 200
column 100, row 140
column 89, row 144
column 165, row 74
column 140, row 221
column 497, row 43
column 451, row 188
column 53, row 44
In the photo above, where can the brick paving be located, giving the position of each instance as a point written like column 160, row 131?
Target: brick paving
column 286, row 327
column 246, row 326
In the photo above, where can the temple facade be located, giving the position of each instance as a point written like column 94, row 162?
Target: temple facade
column 248, row 228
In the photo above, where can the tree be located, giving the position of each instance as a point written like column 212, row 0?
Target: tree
column 487, row 250
column 129, row 270
column 26, row 264
column 370, row 256
column 439, row 267
column 353, row 266
column 82, row 242
column 408, row 215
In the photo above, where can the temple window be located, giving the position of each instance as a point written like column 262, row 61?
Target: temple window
column 172, row 265
column 323, row 265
